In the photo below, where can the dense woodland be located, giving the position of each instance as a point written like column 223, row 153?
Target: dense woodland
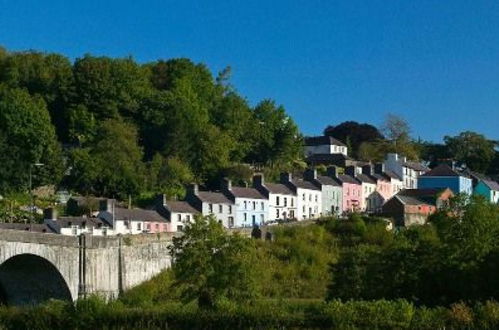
column 114, row 127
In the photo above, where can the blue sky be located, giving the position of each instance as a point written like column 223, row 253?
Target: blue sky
column 434, row 62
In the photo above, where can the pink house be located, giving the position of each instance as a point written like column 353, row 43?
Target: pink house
column 352, row 190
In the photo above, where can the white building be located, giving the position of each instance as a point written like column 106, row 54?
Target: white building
column 75, row 226
column 309, row 197
column 322, row 145
column 178, row 213
column 408, row 171
column 251, row 205
column 281, row 199
column 331, row 192
column 212, row 203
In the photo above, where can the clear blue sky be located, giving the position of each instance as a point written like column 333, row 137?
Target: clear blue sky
column 434, row 62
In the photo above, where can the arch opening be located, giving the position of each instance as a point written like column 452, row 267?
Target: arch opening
column 28, row 279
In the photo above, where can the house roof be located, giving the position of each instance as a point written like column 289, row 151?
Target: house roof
column 444, row 170
column 365, row 179
column 303, row 184
column 243, row 192
column 65, row 222
column 36, row 227
column 327, row 158
column 323, row 140
column 392, row 175
column 382, row 177
column 416, row 166
column 493, row 185
column 424, row 196
column 137, row 214
column 410, row 200
column 279, row 188
column 344, row 178
column 327, row 180
column 180, row 207
column 214, row 197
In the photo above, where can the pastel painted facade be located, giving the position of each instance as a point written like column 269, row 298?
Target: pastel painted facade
column 331, row 191
column 282, row 201
column 212, row 203
column 351, row 189
column 324, row 145
column 408, row 171
column 383, row 191
column 488, row 189
column 368, row 188
column 75, row 226
column 251, row 206
column 309, row 197
column 444, row 176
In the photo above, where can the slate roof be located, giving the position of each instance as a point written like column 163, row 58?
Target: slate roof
column 382, row 177
column 214, row 197
column 365, row 179
column 410, row 200
column 347, row 179
column 424, row 196
column 65, row 222
column 444, row 170
column 416, row 166
column 323, row 140
column 180, row 207
column 137, row 214
column 328, row 181
column 305, row 184
column 392, row 175
column 491, row 184
column 36, row 227
column 242, row 192
column 279, row 188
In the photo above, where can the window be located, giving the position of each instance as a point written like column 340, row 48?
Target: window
column 277, row 213
column 304, row 197
column 277, row 200
column 188, row 218
column 245, row 205
column 262, row 219
column 285, row 201
column 230, row 208
column 139, row 226
column 180, row 228
column 245, row 217
column 220, row 208
column 316, row 198
column 231, row 221
column 262, row 206
column 310, row 197
column 292, row 201
column 211, row 208
column 157, row 226
column 254, row 205
column 179, row 218
column 253, row 220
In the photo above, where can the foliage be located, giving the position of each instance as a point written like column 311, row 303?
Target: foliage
column 357, row 134
column 210, row 265
column 472, row 149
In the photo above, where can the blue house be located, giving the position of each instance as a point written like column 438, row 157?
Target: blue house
column 489, row 189
column 444, row 176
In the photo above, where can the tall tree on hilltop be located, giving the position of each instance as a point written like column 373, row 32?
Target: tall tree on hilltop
column 473, row 149
column 354, row 132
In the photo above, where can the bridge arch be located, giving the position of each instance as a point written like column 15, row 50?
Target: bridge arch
column 31, row 279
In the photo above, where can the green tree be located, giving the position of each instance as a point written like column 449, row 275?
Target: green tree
column 473, row 149
column 210, row 265
column 27, row 136
column 169, row 176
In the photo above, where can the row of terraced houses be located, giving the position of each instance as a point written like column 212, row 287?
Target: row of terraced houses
column 405, row 191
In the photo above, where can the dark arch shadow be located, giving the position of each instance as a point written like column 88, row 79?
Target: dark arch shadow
column 27, row 279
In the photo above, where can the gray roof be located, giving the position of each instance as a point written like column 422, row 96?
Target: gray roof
column 180, row 207
column 444, row 170
column 365, row 179
column 409, row 200
column 214, row 197
column 305, row 184
column 137, row 214
column 327, row 181
column 491, row 184
column 344, row 178
column 36, row 227
column 416, row 166
column 323, row 140
column 392, row 175
column 243, row 192
column 65, row 222
column 279, row 188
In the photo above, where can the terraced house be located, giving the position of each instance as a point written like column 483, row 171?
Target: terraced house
column 251, row 206
column 331, row 192
column 212, row 203
column 281, row 199
column 309, row 196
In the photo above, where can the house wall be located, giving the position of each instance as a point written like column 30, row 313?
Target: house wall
column 367, row 190
column 309, row 203
column 332, row 200
column 251, row 212
column 325, row 149
column 352, row 196
column 227, row 216
column 178, row 221
column 456, row 184
column 285, row 209
column 483, row 190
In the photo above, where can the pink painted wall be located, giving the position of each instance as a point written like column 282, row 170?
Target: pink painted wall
column 157, row 227
column 352, row 195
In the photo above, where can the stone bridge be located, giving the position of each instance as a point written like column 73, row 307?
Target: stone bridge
column 35, row 267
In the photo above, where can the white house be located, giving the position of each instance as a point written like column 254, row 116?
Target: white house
column 178, row 213
column 75, row 226
column 212, row 203
column 331, row 192
column 408, row 171
column 281, row 199
column 321, row 145
column 252, row 206
column 309, row 197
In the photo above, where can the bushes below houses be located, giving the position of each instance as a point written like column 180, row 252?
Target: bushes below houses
column 400, row 314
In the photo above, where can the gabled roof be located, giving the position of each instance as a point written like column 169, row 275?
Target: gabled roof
column 36, row 228
column 323, row 140
column 65, row 222
column 243, row 192
column 491, row 184
column 392, row 175
column 343, row 178
column 444, row 170
column 409, row 200
column 180, row 207
column 365, row 179
column 425, row 196
column 137, row 214
column 279, row 188
column 214, row 197
column 416, row 166
column 303, row 184
column 327, row 181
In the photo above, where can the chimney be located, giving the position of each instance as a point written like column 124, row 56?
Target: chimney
column 226, row 184
column 107, row 205
column 332, row 171
column 193, row 189
column 258, row 180
column 379, row 168
column 367, row 169
column 161, row 199
column 50, row 214
column 286, row 177
column 403, row 159
column 351, row 170
column 310, row 174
